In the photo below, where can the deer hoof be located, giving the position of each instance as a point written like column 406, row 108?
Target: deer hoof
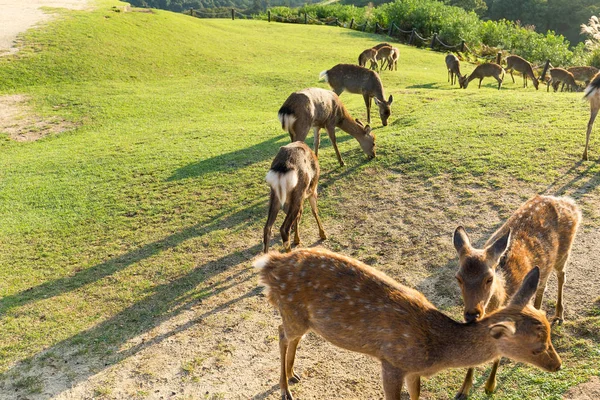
column 461, row 396
column 295, row 378
column 322, row 235
column 557, row 320
column 286, row 247
column 287, row 396
column 585, row 157
column 490, row 387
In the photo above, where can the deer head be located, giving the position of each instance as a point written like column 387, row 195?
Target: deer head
column 384, row 109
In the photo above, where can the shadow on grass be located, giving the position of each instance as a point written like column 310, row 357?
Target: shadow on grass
column 432, row 85
column 573, row 183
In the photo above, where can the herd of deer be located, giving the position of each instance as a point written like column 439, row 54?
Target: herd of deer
column 358, row 308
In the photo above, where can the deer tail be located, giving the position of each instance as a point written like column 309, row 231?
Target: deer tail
column 592, row 88
column 286, row 117
column 282, row 183
column 323, row 76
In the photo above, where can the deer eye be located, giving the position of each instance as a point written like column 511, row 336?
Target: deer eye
column 537, row 352
column 489, row 281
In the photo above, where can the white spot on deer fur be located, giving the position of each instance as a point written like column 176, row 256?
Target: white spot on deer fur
column 261, row 262
column 282, row 286
column 290, row 275
column 406, row 335
column 290, row 297
column 357, row 288
column 351, row 302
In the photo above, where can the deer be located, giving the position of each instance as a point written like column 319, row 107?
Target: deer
column 359, row 308
column 523, row 66
column 359, row 80
column 385, row 54
column 453, row 66
column 558, row 75
column 482, row 71
column 584, row 74
column 393, row 60
column 592, row 94
column 319, row 108
column 293, row 178
column 369, row 55
column 538, row 235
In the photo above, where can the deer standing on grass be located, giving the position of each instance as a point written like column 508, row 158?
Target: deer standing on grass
column 453, row 66
column 523, row 66
column 482, row 71
column 359, row 80
column 558, row 75
column 320, row 108
column 592, row 93
column 584, row 74
column 369, row 55
column 540, row 233
column 385, row 54
column 393, row 60
column 293, row 178
column 361, row 309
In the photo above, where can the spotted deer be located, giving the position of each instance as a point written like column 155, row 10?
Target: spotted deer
column 592, row 93
column 361, row 309
column 320, row 108
column 523, row 66
column 369, row 55
column 540, row 233
column 584, row 73
column 561, row 75
column 482, row 71
column 359, row 80
column 293, row 178
column 453, row 67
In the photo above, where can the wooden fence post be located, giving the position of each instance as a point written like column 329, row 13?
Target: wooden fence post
column 546, row 66
column 269, row 16
column 232, row 14
column 376, row 27
column 433, row 39
column 391, row 29
column 351, row 23
column 365, row 26
column 499, row 58
column 305, row 19
column 462, row 46
column 336, row 22
column 192, row 11
column 412, row 37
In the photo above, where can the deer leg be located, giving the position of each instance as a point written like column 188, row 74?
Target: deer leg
column 294, row 209
column 539, row 295
column 313, row 206
column 273, row 211
column 290, row 358
column 317, row 140
column 511, row 75
column 367, row 99
column 296, row 226
column 392, row 381
column 480, row 83
column 413, row 384
column 559, row 313
column 283, row 379
column 463, row 393
column 499, row 82
column 524, row 80
column 593, row 114
column 490, row 385
column 331, row 133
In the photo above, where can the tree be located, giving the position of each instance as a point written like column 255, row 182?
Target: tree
column 477, row 6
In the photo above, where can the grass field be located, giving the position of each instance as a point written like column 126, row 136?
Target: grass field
column 126, row 242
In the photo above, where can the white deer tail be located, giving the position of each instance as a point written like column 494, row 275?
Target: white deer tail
column 323, row 76
column 591, row 89
column 287, row 120
column 282, row 183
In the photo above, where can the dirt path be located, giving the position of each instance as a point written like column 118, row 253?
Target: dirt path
column 16, row 16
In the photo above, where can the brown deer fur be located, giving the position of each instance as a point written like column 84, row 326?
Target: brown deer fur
column 453, row 66
column 584, row 74
column 320, row 108
column 482, row 71
column 359, row 80
column 361, row 309
column 592, row 93
column 393, row 60
column 540, row 233
column 293, row 177
column 558, row 75
column 523, row 66
column 385, row 54
column 369, row 55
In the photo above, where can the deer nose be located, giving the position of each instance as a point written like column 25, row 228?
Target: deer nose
column 558, row 368
column 471, row 316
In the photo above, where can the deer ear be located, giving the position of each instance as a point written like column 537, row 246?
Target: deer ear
column 497, row 249
column 377, row 100
column 390, row 100
column 461, row 240
column 504, row 328
column 527, row 289
column 358, row 122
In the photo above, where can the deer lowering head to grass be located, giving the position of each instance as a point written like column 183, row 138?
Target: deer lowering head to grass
column 583, row 74
column 540, row 233
column 482, row 71
column 592, row 93
column 361, row 309
column 453, row 66
column 359, row 80
column 293, row 177
column 320, row 108
column 524, row 67
column 369, row 55
column 561, row 75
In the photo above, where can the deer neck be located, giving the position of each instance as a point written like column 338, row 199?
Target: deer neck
column 499, row 295
column 348, row 125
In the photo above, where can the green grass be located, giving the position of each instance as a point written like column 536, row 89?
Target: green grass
column 109, row 228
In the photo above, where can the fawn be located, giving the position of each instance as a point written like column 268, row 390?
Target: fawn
column 558, row 75
column 320, row 108
column 482, row 71
column 361, row 309
column 293, row 177
column 453, row 66
column 357, row 79
column 593, row 95
column 523, row 66
column 540, row 233
column 369, row 55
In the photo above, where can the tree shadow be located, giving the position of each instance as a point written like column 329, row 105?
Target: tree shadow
column 558, row 188
column 432, row 85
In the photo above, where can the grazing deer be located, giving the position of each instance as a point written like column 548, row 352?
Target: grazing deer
column 453, row 66
column 482, row 71
column 361, row 309
column 523, row 66
column 320, row 108
column 293, row 177
column 592, row 93
column 384, row 54
column 584, row 74
column 393, row 60
column 540, row 233
column 359, row 80
column 369, row 55
column 558, row 75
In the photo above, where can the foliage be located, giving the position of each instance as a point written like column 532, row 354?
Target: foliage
column 477, row 6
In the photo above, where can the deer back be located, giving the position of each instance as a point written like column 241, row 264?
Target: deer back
column 452, row 62
column 355, row 79
column 380, row 45
column 540, row 232
column 385, row 53
column 583, row 73
column 562, row 75
column 367, row 55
